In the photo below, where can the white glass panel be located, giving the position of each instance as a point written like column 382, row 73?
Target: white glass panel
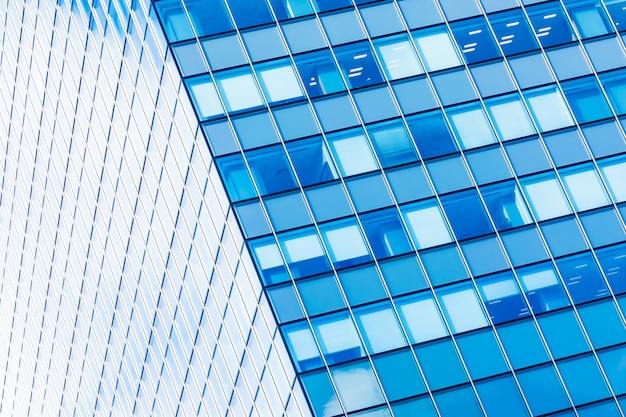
column 301, row 248
column 550, row 111
column 537, row 280
column 472, row 128
column 381, row 330
column 511, row 120
column 615, row 176
column 438, row 51
column 353, row 155
column 422, row 321
column 428, row 227
column 463, row 310
column 337, row 336
column 586, row 190
column 280, row 83
column 547, row 199
column 240, row 92
column 206, row 99
column 399, row 60
column 345, row 243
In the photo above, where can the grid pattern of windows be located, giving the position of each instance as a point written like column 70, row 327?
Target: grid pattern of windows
column 433, row 192
column 125, row 285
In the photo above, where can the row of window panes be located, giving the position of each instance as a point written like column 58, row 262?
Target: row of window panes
column 397, row 375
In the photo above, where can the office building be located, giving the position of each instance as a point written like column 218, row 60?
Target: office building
column 315, row 207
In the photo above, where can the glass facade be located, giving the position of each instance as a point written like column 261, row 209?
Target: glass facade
column 432, row 191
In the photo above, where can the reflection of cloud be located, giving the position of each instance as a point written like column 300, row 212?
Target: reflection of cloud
column 357, row 387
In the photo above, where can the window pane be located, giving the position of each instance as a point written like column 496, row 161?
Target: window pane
column 302, row 346
column 304, row 253
column 204, row 96
column 462, row 308
column 549, row 109
column 319, row 73
column 502, row 297
column 421, row 318
column 546, row 197
column 352, row 153
column 427, row 225
column 550, row 24
column 398, row 57
column 338, row 338
column 431, row 134
column 239, row 90
column 312, row 161
column 392, row 143
column 614, row 173
column 358, row 65
column 345, row 244
column 466, row 214
column 357, row 386
column 584, row 188
column 279, row 82
column 513, row 32
column 380, row 329
column 510, row 117
column 543, row 288
column 436, row 49
column 475, row 40
column 506, row 205
column 471, row 126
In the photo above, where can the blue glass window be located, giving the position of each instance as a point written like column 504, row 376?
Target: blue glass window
column 475, row 40
column 603, row 324
column 531, row 70
column 342, row 27
column 603, row 227
column 174, row 20
column 287, row 211
column 250, row 12
column 426, row 224
column 546, row 197
column 543, row 288
column 604, row 139
column 563, row 236
column 502, row 297
column 613, row 363
column 338, row 338
column 368, row 192
column 449, row 174
column 551, row 24
column 421, row 318
column 431, row 134
column 220, row 138
column 385, row 233
column 510, row 117
column 617, row 12
column 328, row 202
column 586, row 99
column 522, row 343
column 380, row 328
column 548, row 108
column 358, row 65
column 615, row 87
column 311, row 289
column 506, row 205
column 352, row 152
column 357, row 385
column 566, row 147
column 304, row 35
column 459, row 9
column 471, row 126
column 403, row 275
column 304, row 252
column 606, row 53
column 296, row 121
column 543, row 390
column 409, row 183
column 321, row 394
column 399, row 375
column 444, row 265
column 269, row 260
column 458, row 402
column 614, row 172
column 397, row 57
column 466, row 214
column 362, row 285
column 480, row 264
column 613, row 263
column 492, row 78
column 406, row 91
column 375, row 104
column 461, row 307
column 209, row 17
column 524, row 246
column 481, row 354
column 584, row 187
column 582, row 277
column 528, row 156
column 569, row 62
column 497, row 5
column 239, row 90
column 605, row 409
column 264, row 43
column 319, row 73
column 345, row 243
column 588, row 17
column 327, row 5
column 392, row 143
column 436, row 49
column 381, row 19
column 287, row 9
column 223, row 52
column 302, row 347
column 513, row 32
column 190, row 59
column 255, row 130
column 420, row 13
column 312, row 161
column 236, row 177
column 441, row 364
column 285, row 303
column 488, row 165
column 271, row 170
column 279, row 81
column 204, row 96
column 252, row 219
column 336, row 112
column 501, row 397
column 454, row 86
column 563, row 334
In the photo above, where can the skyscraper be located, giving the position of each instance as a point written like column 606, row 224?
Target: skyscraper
column 314, row 207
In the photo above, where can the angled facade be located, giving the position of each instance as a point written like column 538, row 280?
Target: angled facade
column 313, row 208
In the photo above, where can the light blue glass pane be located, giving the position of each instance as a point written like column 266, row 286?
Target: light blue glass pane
column 255, row 130
column 338, row 338
column 190, row 59
column 513, row 32
column 381, row 19
column 264, row 44
column 502, row 297
column 345, row 243
column 422, row 407
column 474, row 39
column 250, row 12
column 603, row 227
column 375, row 104
column 449, row 174
column 444, row 265
column 220, row 138
column 497, row 5
column 551, row 24
column 613, row 364
column 488, row 165
column 586, row 100
column 458, row 402
column 362, row 285
column 458, row 9
column 454, row 87
column 543, row 390
column 436, row 48
column 527, row 156
column 352, row 152
column 510, row 117
column 379, row 327
column 358, row 64
column 419, row 13
column 321, row 394
column 441, row 364
column 327, row 5
column 269, row 260
column 604, row 409
column 466, row 214
column 304, row 253
column 543, row 288
column 285, row 303
column 319, row 73
column 357, row 386
column 569, row 62
column 583, row 379
column 252, row 219
column 385, row 233
column 506, row 205
column 403, row 275
column 296, row 121
column 312, row 162
column 613, row 263
column 303, row 35
column 335, row 113
column 311, row 289
column 223, row 52
column 287, row 211
column 492, row 78
column 606, row 54
column 522, row 344
column 524, row 246
column 392, row 143
column 342, row 27
column 603, row 324
column 409, row 183
column 286, row 9
column 279, row 82
column 615, row 87
column 406, row 91
column 480, row 264
column 320, row 199
column 302, row 347
column 563, row 237
column 481, row 354
column 236, row 177
column 238, row 90
column 589, row 18
column 566, row 147
column 369, row 193
column 397, row 56
column 174, row 20
column 205, row 98
column 563, row 334
column 271, row 170
column 531, row 70
column 604, row 139
column 501, row 397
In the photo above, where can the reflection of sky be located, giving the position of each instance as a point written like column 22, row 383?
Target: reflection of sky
column 118, row 10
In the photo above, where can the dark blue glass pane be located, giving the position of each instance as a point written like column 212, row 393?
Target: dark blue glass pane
column 312, row 161
column 403, row 275
column 586, row 100
column 481, row 354
column 604, row 409
column 249, row 12
column 582, row 277
column 475, row 40
column 513, row 32
column 358, row 64
column 399, row 375
column 583, row 379
column 506, row 205
column 385, row 233
column 319, row 73
column 236, row 177
column 550, row 24
column 466, row 214
column 613, row 263
column 603, row 324
column 271, row 170
column 617, row 10
column 503, row 298
column 543, row 390
column 522, row 344
column 362, row 285
column 326, row 5
column 441, row 364
column 501, row 397
column 431, row 134
column 563, row 333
